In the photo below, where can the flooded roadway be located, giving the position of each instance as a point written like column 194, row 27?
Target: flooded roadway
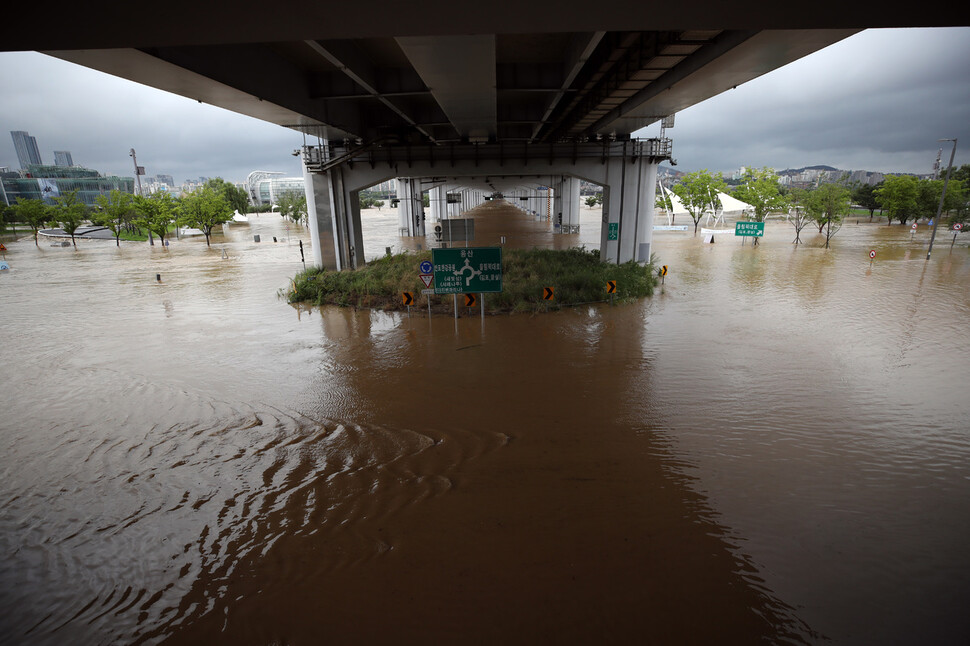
column 773, row 448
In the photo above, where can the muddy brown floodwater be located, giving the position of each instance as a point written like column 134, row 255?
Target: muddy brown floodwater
column 772, row 448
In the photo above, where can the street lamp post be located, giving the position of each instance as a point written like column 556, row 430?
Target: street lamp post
column 134, row 159
column 939, row 210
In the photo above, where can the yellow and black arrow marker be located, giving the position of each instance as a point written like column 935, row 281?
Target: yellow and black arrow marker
column 470, row 300
column 663, row 270
column 611, row 287
column 548, row 293
column 407, row 298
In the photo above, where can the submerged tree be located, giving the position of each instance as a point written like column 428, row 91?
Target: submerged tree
column 293, row 205
column 760, row 189
column 698, row 193
column 798, row 212
column 864, row 195
column 34, row 213
column 156, row 212
column 204, row 209
column 70, row 213
column 828, row 205
column 117, row 212
column 898, row 196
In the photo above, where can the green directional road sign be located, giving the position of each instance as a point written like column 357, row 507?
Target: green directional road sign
column 613, row 231
column 749, row 229
column 468, row 270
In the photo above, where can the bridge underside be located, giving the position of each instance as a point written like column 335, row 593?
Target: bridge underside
column 370, row 80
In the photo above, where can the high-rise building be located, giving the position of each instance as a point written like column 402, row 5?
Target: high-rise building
column 27, row 150
column 63, row 158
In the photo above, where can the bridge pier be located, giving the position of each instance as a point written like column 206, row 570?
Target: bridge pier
column 410, row 207
column 333, row 213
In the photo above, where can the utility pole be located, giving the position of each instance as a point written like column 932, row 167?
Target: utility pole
column 939, row 210
column 138, row 173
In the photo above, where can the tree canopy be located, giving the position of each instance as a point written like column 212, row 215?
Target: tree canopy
column 760, row 189
column 204, row 209
column 117, row 212
column 292, row 205
column 698, row 193
column 899, row 197
column 234, row 196
column 69, row 212
column 34, row 213
column 828, row 205
column 156, row 212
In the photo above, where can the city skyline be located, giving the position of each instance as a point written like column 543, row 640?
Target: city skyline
column 877, row 101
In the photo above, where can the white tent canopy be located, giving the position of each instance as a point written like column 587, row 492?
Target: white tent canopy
column 729, row 206
column 733, row 205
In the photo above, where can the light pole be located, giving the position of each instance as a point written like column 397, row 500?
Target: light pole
column 138, row 173
column 939, row 210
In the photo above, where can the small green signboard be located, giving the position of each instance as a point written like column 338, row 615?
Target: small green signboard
column 613, row 231
column 749, row 229
column 467, row 270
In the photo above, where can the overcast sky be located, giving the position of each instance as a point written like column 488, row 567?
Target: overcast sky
column 876, row 101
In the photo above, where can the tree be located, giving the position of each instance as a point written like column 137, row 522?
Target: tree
column 156, row 212
column 293, row 205
column 956, row 200
column 204, row 209
column 828, row 204
column 69, row 212
column 117, row 212
column 34, row 213
column 798, row 212
column 698, row 192
column 864, row 195
column 759, row 188
column 6, row 215
column 930, row 191
column 593, row 200
column 234, row 196
column 898, row 196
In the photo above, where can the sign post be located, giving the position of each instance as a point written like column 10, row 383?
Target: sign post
column 872, row 255
column 956, row 229
column 912, row 231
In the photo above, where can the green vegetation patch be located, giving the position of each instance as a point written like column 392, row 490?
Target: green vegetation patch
column 577, row 276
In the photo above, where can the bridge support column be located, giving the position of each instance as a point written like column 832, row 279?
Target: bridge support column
column 566, row 205
column 437, row 199
column 410, row 207
column 334, row 217
column 628, row 206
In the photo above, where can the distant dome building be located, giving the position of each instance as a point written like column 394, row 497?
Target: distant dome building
column 265, row 187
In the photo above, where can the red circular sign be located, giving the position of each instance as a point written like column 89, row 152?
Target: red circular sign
column 957, row 226
column 914, row 226
column 872, row 254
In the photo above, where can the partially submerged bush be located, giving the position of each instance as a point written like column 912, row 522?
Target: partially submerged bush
column 577, row 275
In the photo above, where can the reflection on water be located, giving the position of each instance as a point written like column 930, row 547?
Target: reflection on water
column 772, row 448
